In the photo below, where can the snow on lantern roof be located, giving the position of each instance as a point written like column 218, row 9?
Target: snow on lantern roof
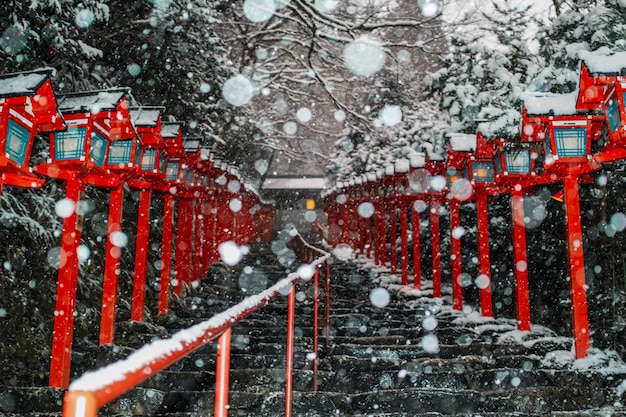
column 92, row 101
column 171, row 129
column 371, row 176
column 389, row 169
column 146, row 116
column 191, row 145
column 431, row 153
column 462, row 142
column 23, row 83
column 402, row 166
column 537, row 103
column 302, row 183
column 418, row 160
column 603, row 61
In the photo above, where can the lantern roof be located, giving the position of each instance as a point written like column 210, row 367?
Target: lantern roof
column 23, row 83
column 146, row 116
column 191, row 145
column 92, row 101
column 485, row 149
column 402, row 166
column 418, row 160
column 604, row 61
column 462, row 142
column 537, row 103
column 171, row 130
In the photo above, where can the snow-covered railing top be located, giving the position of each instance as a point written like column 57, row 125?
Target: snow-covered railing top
column 97, row 388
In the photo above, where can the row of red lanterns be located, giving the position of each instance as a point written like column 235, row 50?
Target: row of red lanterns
column 565, row 138
column 96, row 138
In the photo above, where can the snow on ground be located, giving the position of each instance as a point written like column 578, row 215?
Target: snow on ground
column 598, row 361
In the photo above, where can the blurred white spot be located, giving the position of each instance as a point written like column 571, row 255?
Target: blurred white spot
column 133, row 69
column 430, row 8
column 325, row 6
column 380, row 297
column 306, row 272
column 343, row 252
column 230, row 253
column 84, row 18
column 311, row 356
column 7, row 265
column 438, row 182
column 341, row 198
column 234, row 186
column 119, row 239
column 64, row 208
column 391, row 115
column 461, row 189
column 458, row 232
column 420, row 206
column 238, row 90
column 83, row 253
column 205, row 88
column 430, row 323
column 339, row 115
column 54, row 257
column 430, row 343
column 235, row 205
column 618, row 220
column 310, row 215
column 402, row 373
column 355, row 51
column 482, row 281
column 261, row 166
column 259, row 10
column 464, row 279
column 521, row 266
column 366, row 210
column 304, row 115
column 516, row 381
column 290, row 128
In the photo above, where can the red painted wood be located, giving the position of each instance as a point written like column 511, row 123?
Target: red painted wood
column 198, row 238
column 482, row 210
column 222, row 374
column 457, row 289
column 383, row 235
column 111, row 267
column 393, row 254
column 577, row 266
column 63, row 330
column 404, row 245
column 291, row 321
column 183, row 244
column 417, row 250
column 166, row 254
column 141, row 256
column 521, row 258
column 435, row 249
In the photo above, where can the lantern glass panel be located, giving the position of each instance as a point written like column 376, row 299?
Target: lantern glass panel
column 98, row 150
column 17, row 142
column 571, row 142
column 188, row 176
column 148, row 160
column 171, row 171
column 70, row 144
column 483, row 171
column 613, row 115
column 120, row 152
column 452, row 175
column 517, row 161
column 418, row 181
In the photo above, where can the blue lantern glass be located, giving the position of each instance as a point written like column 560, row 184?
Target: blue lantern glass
column 120, row 152
column 483, row 171
column 70, row 144
column 517, row 161
column 17, row 142
column 571, row 142
column 98, row 150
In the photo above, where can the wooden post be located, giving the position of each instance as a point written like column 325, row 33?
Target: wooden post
column 521, row 258
column 417, row 250
column 436, row 249
column 141, row 256
column 63, row 331
column 166, row 253
column 404, row 245
column 577, row 266
column 457, row 288
column 111, row 267
column 482, row 210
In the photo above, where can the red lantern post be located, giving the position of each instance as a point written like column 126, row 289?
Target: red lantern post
column 79, row 157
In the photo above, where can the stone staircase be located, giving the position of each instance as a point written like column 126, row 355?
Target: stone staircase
column 414, row 356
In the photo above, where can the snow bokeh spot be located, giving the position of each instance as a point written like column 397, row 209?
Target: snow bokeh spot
column 379, row 297
column 343, row 252
column 64, row 208
column 354, row 53
column 230, row 253
column 235, row 205
column 238, row 90
column 366, row 210
column 390, row 115
column 261, row 166
column 259, row 10
column 84, row 18
column 304, row 115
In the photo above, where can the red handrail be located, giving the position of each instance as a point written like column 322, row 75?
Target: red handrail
column 97, row 388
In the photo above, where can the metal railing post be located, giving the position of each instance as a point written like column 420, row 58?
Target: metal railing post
column 222, row 374
column 291, row 320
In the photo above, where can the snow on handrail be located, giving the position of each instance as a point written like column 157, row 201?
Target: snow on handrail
column 97, row 388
